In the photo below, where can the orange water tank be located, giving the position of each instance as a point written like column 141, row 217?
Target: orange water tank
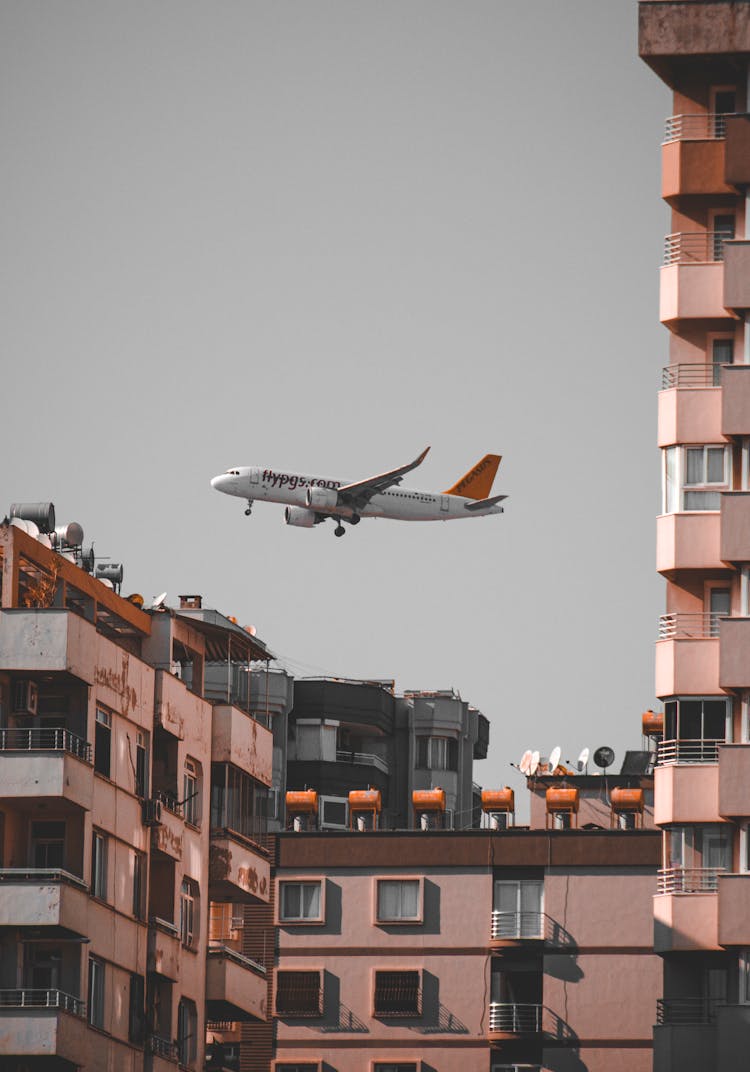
column 302, row 802
column 498, row 800
column 627, row 799
column 364, row 800
column 652, row 724
column 428, row 799
column 562, row 799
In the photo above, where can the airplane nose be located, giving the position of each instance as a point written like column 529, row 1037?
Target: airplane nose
column 217, row 482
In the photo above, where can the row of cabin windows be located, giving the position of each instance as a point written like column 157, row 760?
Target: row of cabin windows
column 396, row 993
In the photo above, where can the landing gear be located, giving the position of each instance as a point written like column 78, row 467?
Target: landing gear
column 355, row 519
column 249, row 508
column 339, row 530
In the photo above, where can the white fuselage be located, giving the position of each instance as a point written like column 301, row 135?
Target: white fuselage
column 291, row 489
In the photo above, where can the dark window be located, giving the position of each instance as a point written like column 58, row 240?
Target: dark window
column 695, row 720
column 99, row 865
column 401, row 1066
column 48, row 845
column 96, row 992
column 397, row 993
column 141, row 765
column 298, row 993
column 437, row 753
column 103, row 742
column 139, row 884
column 187, row 1031
column 137, row 1011
column 238, row 802
column 722, row 353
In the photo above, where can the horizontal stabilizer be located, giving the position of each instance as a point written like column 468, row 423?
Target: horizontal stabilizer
column 482, row 504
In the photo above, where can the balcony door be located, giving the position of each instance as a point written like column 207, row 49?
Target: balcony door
column 519, row 907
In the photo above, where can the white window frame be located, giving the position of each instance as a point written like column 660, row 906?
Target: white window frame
column 400, row 919
column 191, row 791
column 99, row 852
column 679, row 453
column 96, row 992
column 189, row 908
column 285, row 884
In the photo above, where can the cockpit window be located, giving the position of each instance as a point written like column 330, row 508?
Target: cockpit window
column 233, row 472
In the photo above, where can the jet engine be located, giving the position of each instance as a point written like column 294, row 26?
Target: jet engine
column 322, row 498
column 299, row 517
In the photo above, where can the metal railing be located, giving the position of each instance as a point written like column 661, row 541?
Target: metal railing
column 515, row 1019
column 169, row 799
column 695, row 247
column 362, row 759
column 41, row 876
column 164, row 925
column 684, row 751
column 688, row 879
column 218, row 949
column 689, row 626
column 702, row 374
column 708, row 126
column 162, row 1047
column 45, row 739
column 687, row 1010
column 518, row 925
column 42, row 999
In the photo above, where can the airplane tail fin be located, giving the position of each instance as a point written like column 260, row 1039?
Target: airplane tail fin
column 477, row 483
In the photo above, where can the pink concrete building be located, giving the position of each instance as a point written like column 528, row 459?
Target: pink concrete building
column 441, row 952
column 132, row 817
column 702, row 802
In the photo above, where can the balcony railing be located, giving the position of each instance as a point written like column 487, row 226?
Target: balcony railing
column 218, row 949
column 515, row 1019
column 688, row 879
column 702, row 374
column 162, row 1047
column 689, row 626
column 41, row 876
column 709, row 126
column 362, row 759
column 169, row 799
column 164, row 925
column 703, row 751
column 55, row 739
column 695, row 247
column 687, row 1010
column 42, row 999
column 519, row 925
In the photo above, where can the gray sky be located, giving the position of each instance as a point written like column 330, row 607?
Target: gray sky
column 320, row 236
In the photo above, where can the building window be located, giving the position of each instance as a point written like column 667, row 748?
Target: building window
column 238, row 802
column 99, row 865
column 400, row 1066
column 139, row 885
column 301, row 902
column 517, row 909
column 96, row 992
column 191, row 791
column 141, row 764
column 696, row 853
column 397, row 993
column 399, row 900
column 697, row 726
column 187, row 1031
column 137, row 1010
column 299, row 993
column 722, row 229
column 437, row 753
column 722, row 353
column 693, row 478
column 103, row 742
column 189, row 912
column 48, row 845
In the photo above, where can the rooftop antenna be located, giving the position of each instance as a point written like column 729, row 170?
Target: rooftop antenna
column 604, row 757
column 158, row 602
column 534, row 765
column 554, row 759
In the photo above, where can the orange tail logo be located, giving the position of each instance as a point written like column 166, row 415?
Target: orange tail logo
column 477, row 483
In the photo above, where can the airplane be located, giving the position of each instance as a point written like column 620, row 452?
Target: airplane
column 312, row 499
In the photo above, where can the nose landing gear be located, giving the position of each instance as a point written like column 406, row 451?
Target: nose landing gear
column 339, row 530
column 249, row 509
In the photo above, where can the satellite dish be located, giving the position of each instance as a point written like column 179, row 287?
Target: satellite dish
column 554, row 759
column 159, row 601
column 19, row 523
column 583, row 759
column 525, row 765
column 604, row 757
column 534, row 765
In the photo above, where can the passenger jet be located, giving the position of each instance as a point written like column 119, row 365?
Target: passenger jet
column 312, row 499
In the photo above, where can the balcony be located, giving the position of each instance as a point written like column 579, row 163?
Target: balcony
column 734, row 665
column 240, row 740
column 689, row 404
column 686, row 1010
column 36, row 641
column 236, row 986
column 362, row 759
column 50, row 899
column 735, row 526
column 688, row 541
column 176, row 706
column 693, row 156
column 734, row 909
column 508, row 1020
column 164, row 948
column 734, row 778
column 736, row 291
column 735, row 400
column 687, row 790
column 37, row 763
column 43, row 1023
column 687, row 655
column 692, row 276
column 161, row 1049
column 686, row 909
column 167, row 835
column 238, row 871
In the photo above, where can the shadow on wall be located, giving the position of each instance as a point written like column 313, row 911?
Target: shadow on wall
column 558, row 936
column 436, row 1018
column 336, row 1016
column 558, row 1029
column 563, row 1061
column 431, row 912
column 563, row 966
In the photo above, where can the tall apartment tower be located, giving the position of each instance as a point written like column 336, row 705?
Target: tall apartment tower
column 701, row 50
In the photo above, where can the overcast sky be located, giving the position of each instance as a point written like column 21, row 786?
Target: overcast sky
column 320, row 236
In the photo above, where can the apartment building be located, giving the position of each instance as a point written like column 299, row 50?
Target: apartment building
column 701, row 51
column 345, row 735
column 441, row 951
column 133, row 806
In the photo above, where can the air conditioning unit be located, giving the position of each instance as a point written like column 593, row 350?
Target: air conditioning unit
column 25, row 698
column 151, row 812
column 333, row 813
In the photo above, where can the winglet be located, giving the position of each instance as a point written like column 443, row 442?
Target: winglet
column 477, row 483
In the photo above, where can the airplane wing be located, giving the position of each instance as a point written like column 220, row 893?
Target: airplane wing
column 359, row 494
